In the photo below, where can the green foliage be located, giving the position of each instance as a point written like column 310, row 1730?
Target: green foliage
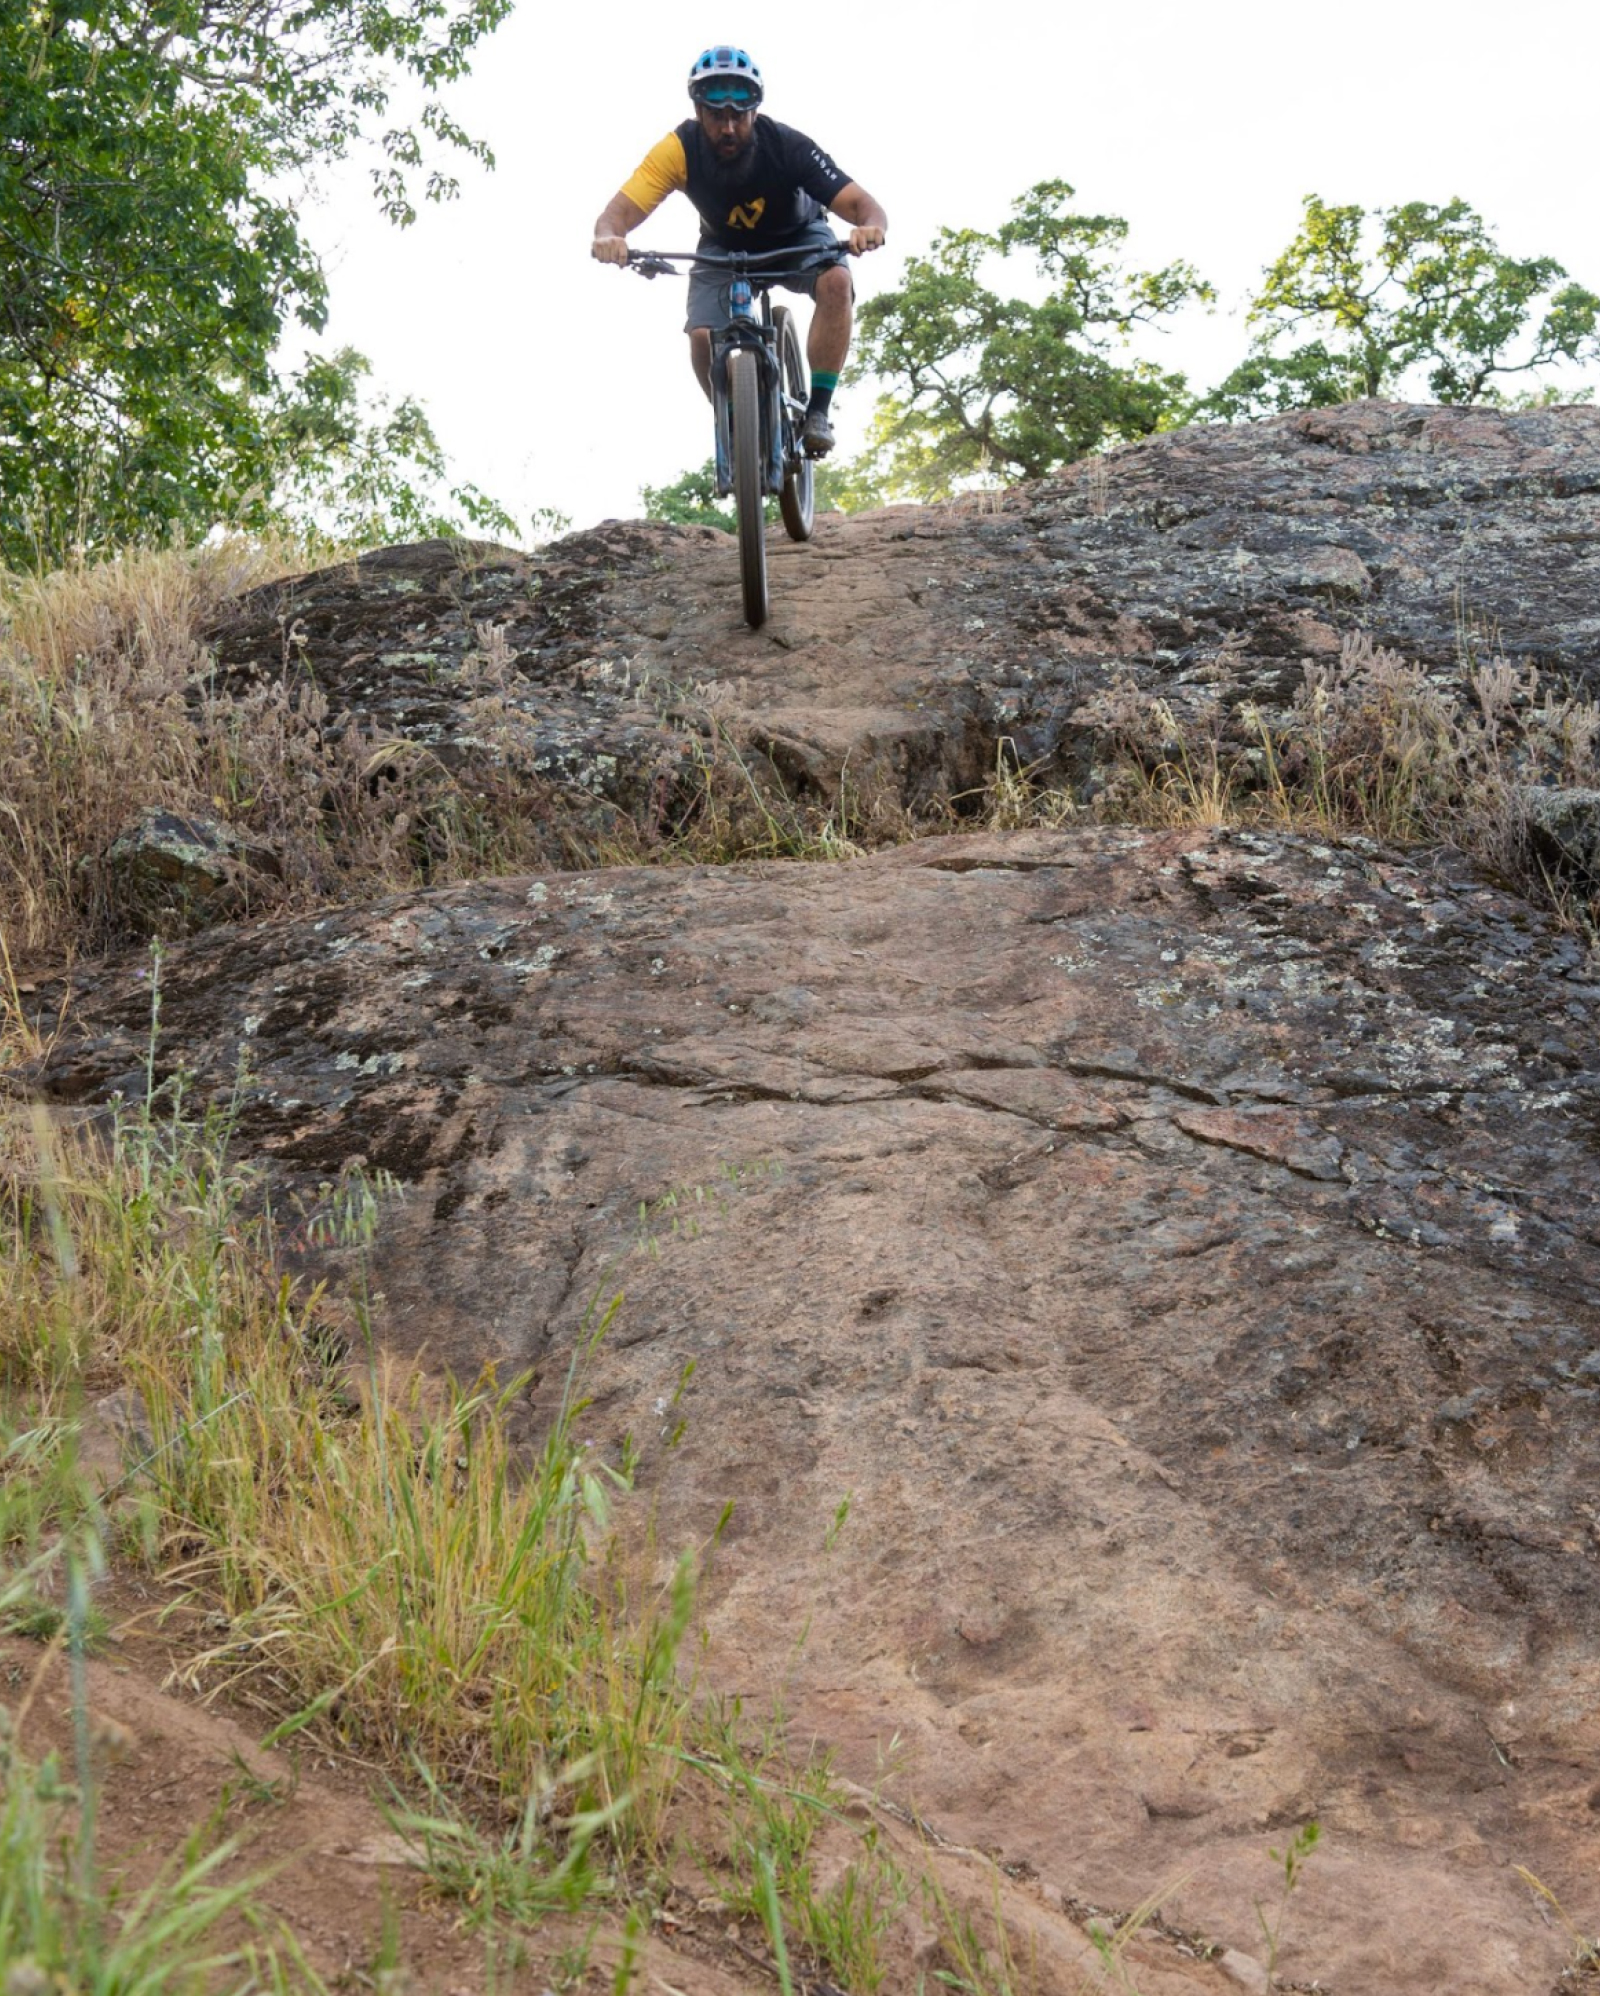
column 411, row 1585
column 983, row 383
column 1358, row 301
column 369, row 475
column 150, row 260
column 543, row 1863
column 690, row 501
column 772, row 1814
column 850, row 485
column 1291, row 1861
column 967, row 1964
column 62, row 1927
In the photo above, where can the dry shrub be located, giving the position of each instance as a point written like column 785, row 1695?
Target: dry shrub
column 96, row 667
column 108, row 706
column 717, row 800
column 1380, row 747
column 1371, row 744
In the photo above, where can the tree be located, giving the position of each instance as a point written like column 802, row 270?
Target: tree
column 986, row 383
column 849, row 485
column 691, row 501
column 150, row 259
column 366, row 472
column 1373, row 298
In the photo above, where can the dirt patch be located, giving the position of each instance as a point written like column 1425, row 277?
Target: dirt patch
column 312, row 1828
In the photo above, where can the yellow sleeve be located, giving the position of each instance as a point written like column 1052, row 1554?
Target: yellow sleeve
column 661, row 172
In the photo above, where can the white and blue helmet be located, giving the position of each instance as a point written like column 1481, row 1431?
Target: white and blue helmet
column 725, row 75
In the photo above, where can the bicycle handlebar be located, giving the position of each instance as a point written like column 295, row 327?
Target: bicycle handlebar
column 790, row 262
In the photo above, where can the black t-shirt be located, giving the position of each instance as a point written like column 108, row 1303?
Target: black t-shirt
column 776, row 188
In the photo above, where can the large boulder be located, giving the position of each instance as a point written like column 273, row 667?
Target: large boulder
column 1138, row 1289
column 1565, row 824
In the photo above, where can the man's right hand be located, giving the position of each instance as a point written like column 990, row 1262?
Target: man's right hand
column 609, row 249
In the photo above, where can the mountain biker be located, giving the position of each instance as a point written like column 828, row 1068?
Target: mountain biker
column 757, row 185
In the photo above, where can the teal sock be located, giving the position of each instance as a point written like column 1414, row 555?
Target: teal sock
column 822, row 387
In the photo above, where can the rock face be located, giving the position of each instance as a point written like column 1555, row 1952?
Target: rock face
column 1565, row 825
column 1179, row 1249
column 1171, row 1253
column 408, row 638
column 1208, row 563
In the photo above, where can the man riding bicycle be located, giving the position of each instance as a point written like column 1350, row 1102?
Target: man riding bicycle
column 759, row 186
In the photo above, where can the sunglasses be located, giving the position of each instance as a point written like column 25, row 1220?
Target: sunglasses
column 736, row 98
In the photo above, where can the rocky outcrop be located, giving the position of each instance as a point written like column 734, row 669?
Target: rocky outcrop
column 1565, row 824
column 408, row 641
column 1170, row 1254
column 171, row 872
column 1445, row 533
column 1206, row 564
column 1178, row 1249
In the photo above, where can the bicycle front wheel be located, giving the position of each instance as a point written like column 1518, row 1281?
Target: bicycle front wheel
column 749, row 482
column 797, row 501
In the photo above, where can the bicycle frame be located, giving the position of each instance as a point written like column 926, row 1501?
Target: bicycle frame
column 750, row 278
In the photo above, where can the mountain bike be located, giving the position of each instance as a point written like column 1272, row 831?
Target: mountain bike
column 759, row 390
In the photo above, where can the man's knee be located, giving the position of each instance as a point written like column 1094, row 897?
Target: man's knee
column 834, row 287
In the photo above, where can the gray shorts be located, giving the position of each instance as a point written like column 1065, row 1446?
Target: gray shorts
column 708, row 289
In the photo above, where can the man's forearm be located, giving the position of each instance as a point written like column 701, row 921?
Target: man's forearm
column 868, row 222
column 610, row 244
column 619, row 216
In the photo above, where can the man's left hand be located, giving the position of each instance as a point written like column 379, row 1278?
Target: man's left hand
column 862, row 240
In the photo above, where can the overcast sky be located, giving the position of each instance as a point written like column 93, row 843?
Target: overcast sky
column 554, row 381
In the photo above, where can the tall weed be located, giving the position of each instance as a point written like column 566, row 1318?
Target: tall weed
column 64, row 1927
column 771, row 1812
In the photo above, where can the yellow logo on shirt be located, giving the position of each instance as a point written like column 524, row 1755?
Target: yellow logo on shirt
column 746, row 218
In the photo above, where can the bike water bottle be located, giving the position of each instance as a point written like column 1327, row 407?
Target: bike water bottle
column 740, row 298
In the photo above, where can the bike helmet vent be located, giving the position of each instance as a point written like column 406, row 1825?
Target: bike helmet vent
column 725, row 76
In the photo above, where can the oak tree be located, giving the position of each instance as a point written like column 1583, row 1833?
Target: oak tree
column 1015, row 385
column 1359, row 302
column 151, row 253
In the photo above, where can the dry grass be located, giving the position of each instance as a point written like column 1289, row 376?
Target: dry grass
column 720, row 812
column 95, row 663
column 387, row 1572
column 108, row 707
column 1370, row 745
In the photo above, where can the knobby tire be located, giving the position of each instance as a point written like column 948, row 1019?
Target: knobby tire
column 749, row 482
column 798, row 500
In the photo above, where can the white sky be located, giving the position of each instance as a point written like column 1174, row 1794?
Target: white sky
column 553, row 381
